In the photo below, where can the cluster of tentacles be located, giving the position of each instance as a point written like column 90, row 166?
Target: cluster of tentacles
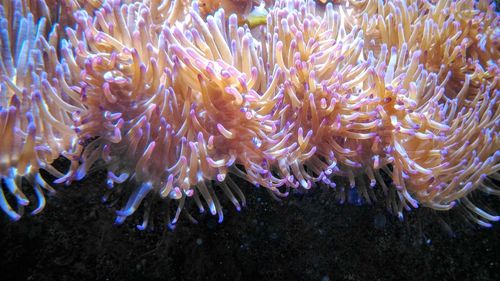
column 174, row 103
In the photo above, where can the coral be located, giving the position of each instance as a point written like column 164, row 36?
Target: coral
column 174, row 102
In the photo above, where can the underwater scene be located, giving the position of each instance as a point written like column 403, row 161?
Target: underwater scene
column 249, row 140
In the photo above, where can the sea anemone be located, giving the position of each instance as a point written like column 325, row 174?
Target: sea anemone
column 191, row 113
column 35, row 104
column 454, row 45
column 454, row 37
column 121, row 57
column 172, row 102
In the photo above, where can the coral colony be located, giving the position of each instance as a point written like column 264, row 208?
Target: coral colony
column 176, row 98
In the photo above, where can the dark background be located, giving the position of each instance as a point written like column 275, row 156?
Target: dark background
column 304, row 237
